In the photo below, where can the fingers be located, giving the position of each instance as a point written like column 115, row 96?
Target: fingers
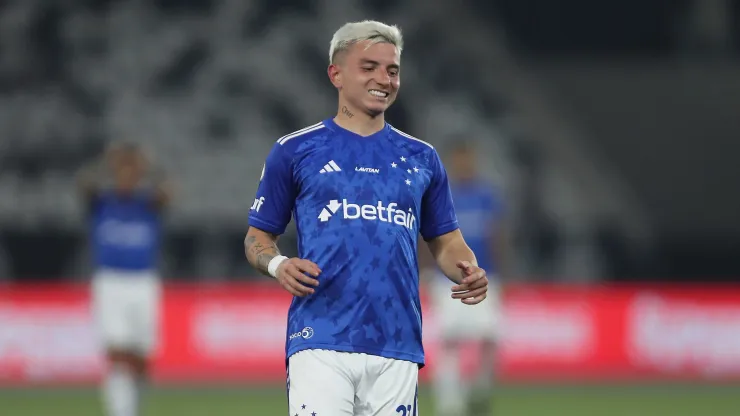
column 301, row 267
column 470, row 293
column 291, row 281
column 307, row 266
column 305, row 279
column 475, row 275
column 474, row 286
column 463, row 264
column 298, row 279
column 294, row 278
column 472, row 282
column 475, row 300
column 469, row 269
column 293, row 291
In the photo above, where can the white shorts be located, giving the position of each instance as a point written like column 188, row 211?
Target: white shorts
column 458, row 321
column 331, row 383
column 126, row 309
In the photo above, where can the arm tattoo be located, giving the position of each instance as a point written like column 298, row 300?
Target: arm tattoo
column 258, row 254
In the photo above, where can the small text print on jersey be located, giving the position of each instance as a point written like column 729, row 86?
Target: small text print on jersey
column 368, row 170
column 378, row 212
column 258, row 203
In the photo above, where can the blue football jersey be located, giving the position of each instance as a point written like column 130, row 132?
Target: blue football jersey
column 125, row 231
column 359, row 204
column 479, row 210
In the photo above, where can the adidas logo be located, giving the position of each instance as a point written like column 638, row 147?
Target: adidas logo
column 330, row 167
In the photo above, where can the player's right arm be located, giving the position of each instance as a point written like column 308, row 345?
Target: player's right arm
column 268, row 217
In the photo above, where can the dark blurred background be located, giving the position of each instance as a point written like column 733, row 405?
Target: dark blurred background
column 612, row 125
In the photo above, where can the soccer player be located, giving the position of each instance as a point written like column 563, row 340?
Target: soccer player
column 480, row 214
column 361, row 192
column 125, row 221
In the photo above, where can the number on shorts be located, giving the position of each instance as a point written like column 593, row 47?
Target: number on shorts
column 404, row 410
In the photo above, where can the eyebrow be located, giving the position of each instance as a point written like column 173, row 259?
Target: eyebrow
column 370, row 61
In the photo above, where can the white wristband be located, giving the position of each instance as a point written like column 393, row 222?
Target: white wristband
column 273, row 265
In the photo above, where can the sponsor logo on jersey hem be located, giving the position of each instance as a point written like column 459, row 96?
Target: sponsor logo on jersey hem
column 306, row 333
column 330, row 167
column 378, row 212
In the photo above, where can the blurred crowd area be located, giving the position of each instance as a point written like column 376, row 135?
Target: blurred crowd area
column 609, row 125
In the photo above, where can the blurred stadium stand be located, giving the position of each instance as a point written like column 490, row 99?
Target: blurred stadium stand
column 593, row 156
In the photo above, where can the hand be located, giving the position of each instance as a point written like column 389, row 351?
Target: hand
column 474, row 286
column 291, row 274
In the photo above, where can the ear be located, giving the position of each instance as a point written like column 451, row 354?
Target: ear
column 335, row 75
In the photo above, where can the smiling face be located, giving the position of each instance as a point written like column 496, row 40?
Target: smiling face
column 367, row 76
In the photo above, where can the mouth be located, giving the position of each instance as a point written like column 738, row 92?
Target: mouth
column 379, row 93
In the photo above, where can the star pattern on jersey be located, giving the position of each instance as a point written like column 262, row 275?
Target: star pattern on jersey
column 377, row 271
column 375, row 264
column 342, row 337
column 398, row 335
column 388, row 302
column 362, row 288
column 371, row 332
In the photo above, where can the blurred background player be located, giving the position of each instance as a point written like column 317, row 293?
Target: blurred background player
column 124, row 198
column 480, row 215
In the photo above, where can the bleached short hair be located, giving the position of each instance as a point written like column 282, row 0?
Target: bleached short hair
column 370, row 30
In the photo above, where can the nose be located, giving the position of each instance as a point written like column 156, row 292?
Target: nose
column 384, row 79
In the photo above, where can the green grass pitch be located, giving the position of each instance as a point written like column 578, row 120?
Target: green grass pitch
column 522, row 400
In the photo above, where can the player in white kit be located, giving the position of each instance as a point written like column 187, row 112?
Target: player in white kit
column 480, row 213
column 124, row 200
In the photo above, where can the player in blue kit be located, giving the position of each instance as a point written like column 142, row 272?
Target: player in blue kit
column 125, row 221
column 360, row 192
column 481, row 215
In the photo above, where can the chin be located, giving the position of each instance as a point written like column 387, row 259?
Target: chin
column 376, row 109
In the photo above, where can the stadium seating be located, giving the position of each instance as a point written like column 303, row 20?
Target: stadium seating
column 209, row 86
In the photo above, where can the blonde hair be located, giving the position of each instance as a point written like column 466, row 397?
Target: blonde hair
column 366, row 30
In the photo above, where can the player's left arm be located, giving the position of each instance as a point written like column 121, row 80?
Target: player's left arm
column 457, row 261
column 440, row 230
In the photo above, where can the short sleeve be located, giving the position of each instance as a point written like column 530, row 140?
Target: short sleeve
column 437, row 209
column 273, row 204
